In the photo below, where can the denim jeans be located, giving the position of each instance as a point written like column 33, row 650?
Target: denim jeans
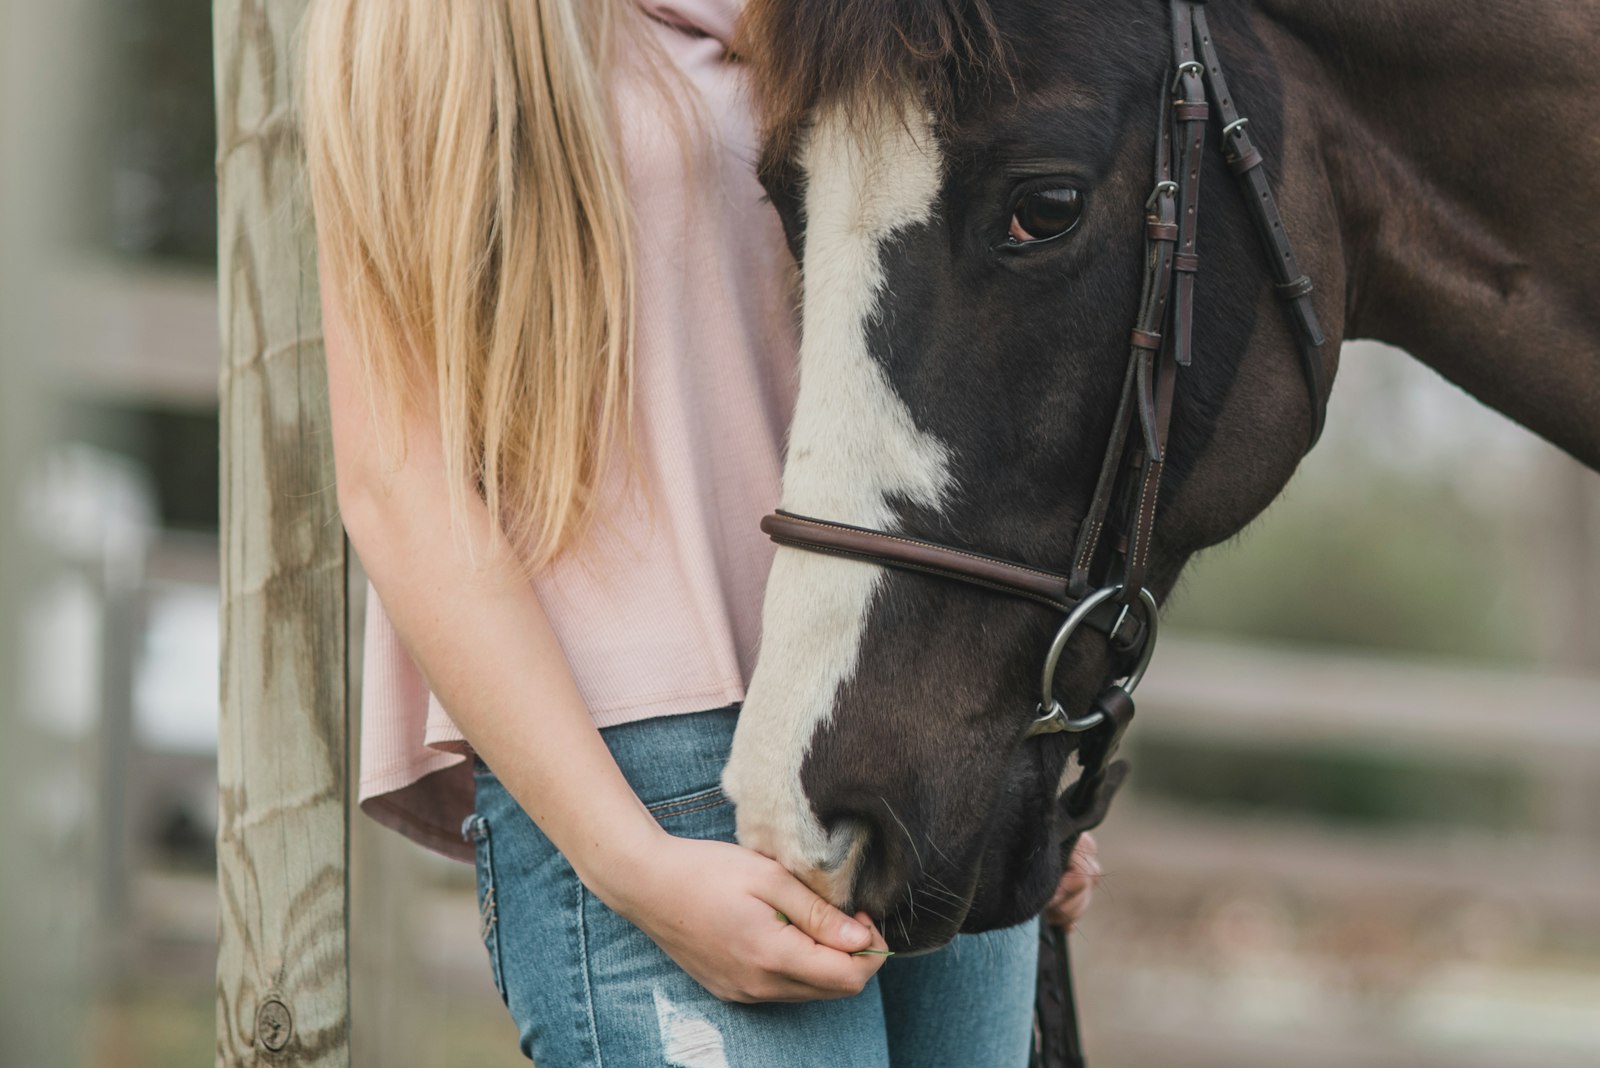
column 588, row 989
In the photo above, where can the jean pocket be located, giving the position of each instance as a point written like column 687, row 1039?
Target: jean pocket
column 475, row 829
column 703, row 814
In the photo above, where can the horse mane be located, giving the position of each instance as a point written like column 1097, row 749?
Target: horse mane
column 856, row 54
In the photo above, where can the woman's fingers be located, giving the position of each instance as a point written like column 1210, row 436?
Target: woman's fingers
column 1076, row 887
column 747, row 929
column 816, row 917
column 1087, row 847
column 825, row 969
column 822, row 947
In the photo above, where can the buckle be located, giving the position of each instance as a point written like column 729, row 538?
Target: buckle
column 1162, row 189
column 1191, row 66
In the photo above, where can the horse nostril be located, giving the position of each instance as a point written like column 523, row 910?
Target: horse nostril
column 868, row 869
column 848, row 840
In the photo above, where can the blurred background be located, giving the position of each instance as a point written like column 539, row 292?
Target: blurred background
column 1364, row 823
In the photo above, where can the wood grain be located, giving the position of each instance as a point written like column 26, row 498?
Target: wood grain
column 283, row 993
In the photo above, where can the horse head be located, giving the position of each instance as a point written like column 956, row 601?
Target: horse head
column 966, row 186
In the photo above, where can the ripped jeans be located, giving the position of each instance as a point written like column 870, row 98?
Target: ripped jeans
column 588, row 989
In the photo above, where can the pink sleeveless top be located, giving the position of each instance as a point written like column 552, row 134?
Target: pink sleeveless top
column 658, row 611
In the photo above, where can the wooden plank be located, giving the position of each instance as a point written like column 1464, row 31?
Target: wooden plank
column 145, row 338
column 1224, row 690
column 1156, row 846
column 283, row 848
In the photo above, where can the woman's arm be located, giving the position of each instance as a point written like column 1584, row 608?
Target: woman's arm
column 481, row 639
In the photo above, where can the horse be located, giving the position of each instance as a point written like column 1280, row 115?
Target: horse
column 967, row 188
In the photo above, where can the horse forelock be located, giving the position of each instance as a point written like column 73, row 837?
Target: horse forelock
column 857, row 55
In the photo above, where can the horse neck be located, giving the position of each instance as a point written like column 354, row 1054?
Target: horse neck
column 1457, row 140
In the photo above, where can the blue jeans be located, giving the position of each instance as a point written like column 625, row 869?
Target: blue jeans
column 588, row 989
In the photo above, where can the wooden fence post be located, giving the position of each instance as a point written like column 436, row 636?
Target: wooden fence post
column 43, row 944
column 283, row 993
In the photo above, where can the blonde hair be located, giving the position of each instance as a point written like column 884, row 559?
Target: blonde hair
column 470, row 201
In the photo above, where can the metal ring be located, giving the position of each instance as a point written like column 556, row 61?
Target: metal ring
column 1234, row 125
column 1198, row 70
column 1052, row 717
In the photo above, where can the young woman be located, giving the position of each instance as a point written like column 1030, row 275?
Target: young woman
column 560, row 347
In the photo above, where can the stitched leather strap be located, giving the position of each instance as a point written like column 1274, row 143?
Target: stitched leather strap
column 1293, row 285
column 1163, row 231
column 1191, row 113
column 975, row 569
column 894, row 550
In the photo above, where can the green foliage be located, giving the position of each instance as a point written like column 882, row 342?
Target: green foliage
column 1388, row 564
column 1365, row 787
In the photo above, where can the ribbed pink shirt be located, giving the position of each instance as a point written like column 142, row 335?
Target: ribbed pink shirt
column 658, row 612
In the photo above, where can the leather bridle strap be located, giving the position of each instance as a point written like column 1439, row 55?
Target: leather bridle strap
column 1081, row 808
column 1292, row 284
column 1147, row 389
column 913, row 554
column 1156, row 357
column 975, row 569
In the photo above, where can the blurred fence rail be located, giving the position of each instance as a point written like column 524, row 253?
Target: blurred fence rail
column 1542, row 725
column 1213, row 685
column 1238, row 929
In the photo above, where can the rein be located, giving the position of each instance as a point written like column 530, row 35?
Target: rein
column 1161, row 343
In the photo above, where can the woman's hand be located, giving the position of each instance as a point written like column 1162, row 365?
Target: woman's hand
column 1072, row 894
column 741, row 925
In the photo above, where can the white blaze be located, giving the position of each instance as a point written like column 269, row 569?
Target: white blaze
column 852, row 446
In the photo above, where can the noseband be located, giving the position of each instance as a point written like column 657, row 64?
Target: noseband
column 1160, row 345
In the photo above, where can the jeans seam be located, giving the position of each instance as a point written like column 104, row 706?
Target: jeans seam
column 661, row 808
column 588, row 979
column 698, row 808
column 478, row 831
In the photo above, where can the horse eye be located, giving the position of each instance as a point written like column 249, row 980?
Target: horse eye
column 1046, row 213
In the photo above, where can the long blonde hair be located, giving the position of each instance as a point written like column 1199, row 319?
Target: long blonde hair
column 470, row 200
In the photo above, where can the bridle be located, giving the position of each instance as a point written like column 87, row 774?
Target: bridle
column 1129, row 480
column 1160, row 344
